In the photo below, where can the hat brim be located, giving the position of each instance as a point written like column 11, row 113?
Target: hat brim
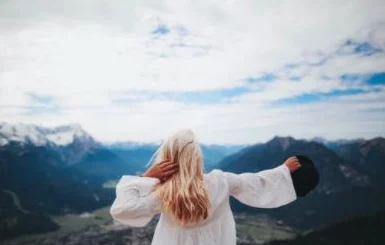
column 306, row 178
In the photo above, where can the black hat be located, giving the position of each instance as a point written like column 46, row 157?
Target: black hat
column 305, row 178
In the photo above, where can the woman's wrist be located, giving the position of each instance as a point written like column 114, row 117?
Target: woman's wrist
column 144, row 174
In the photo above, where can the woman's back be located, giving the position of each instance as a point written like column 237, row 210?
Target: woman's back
column 136, row 204
column 218, row 228
column 194, row 206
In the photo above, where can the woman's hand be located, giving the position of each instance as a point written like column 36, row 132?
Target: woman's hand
column 292, row 163
column 162, row 170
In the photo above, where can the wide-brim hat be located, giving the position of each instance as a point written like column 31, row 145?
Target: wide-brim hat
column 305, row 178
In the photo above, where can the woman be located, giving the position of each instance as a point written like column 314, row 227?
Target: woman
column 194, row 206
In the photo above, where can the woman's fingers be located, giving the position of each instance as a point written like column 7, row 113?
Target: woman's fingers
column 168, row 173
column 167, row 169
column 164, row 162
column 297, row 161
column 166, row 165
column 294, row 158
column 170, row 167
column 293, row 163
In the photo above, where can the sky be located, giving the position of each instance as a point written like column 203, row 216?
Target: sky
column 235, row 72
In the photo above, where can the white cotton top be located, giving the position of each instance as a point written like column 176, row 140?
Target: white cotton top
column 135, row 204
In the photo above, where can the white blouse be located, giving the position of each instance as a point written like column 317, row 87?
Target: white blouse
column 135, row 204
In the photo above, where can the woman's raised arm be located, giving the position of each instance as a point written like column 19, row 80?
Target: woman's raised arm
column 135, row 202
column 265, row 189
column 134, row 205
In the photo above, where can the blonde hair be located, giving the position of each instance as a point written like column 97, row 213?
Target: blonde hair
column 184, row 194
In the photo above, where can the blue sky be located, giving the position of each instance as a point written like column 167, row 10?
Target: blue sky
column 232, row 71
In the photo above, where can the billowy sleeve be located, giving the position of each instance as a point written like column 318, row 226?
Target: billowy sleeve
column 135, row 203
column 265, row 189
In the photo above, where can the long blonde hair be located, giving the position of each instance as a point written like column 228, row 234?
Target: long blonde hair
column 184, row 194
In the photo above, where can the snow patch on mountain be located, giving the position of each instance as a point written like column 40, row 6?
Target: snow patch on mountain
column 325, row 141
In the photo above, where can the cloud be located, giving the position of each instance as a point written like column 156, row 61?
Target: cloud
column 311, row 97
column 161, row 30
column 40, row 99
column 191, row 97
column 234, row 71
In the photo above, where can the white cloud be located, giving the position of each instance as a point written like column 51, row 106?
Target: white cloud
column 85, row 54
column 355, row 63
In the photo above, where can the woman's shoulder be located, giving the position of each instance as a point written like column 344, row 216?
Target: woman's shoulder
column 218, row 187
column 214, row 172
column 215, row 176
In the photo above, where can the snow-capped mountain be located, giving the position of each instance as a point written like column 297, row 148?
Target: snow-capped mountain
column 43, row 136
column 70, row 142
column 333, row 143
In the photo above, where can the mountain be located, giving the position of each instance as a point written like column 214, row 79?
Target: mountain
column 105, row 165
column 213, row 154
column 35, row 182
column 366, row 155
column 139, row 154
column 359, row 230
column 332, row 144
column 265, row 156
column 51, row 171
column 343, row 190
column 42, row 136
column 70, row 142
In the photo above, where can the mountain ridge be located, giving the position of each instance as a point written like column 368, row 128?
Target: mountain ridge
column 343, row 190
column 61, row 135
